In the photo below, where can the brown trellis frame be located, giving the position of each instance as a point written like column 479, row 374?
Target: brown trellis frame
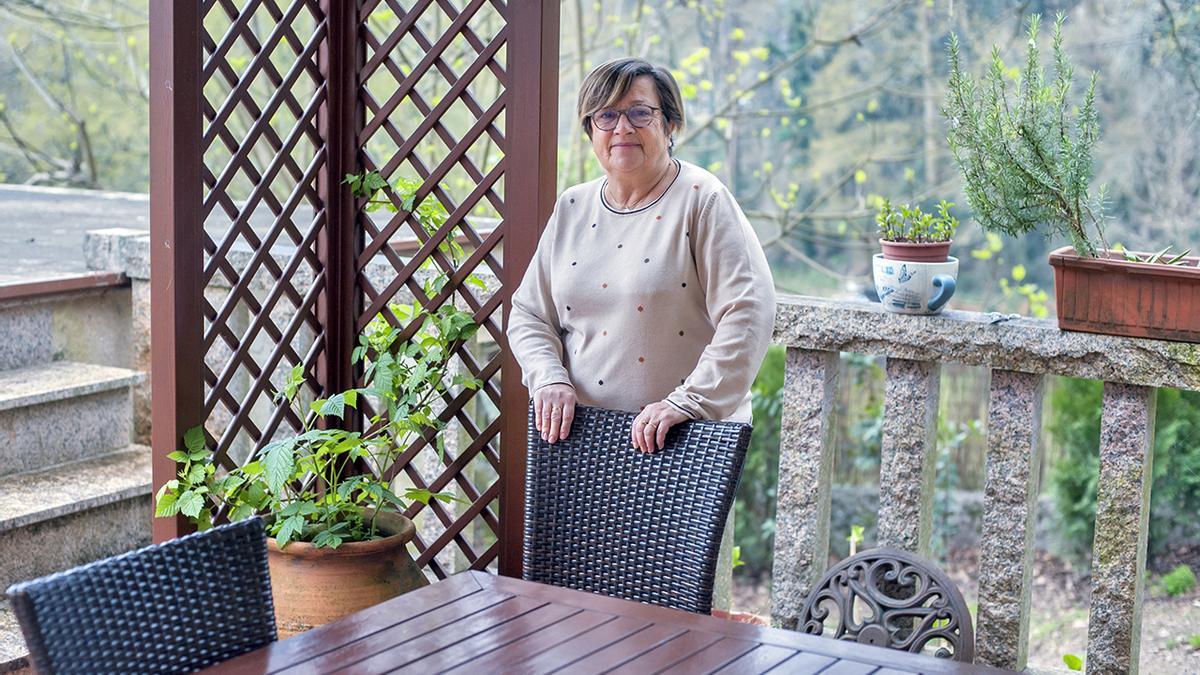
column 334, row 122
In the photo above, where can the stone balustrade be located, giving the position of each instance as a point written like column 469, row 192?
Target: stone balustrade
column 1019, row 353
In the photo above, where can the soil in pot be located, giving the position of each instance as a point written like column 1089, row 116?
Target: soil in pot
column 903, row 251
column 312, row 586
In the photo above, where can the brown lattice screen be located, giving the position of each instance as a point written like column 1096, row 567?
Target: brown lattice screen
column 291, row 96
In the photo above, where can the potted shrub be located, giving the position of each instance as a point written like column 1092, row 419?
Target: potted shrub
column 915, row 273
column 338, row 541
column 1026, row 161
column 907, row 233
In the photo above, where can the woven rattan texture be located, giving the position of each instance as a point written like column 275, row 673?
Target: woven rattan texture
column 170, row 608
column 603, row 517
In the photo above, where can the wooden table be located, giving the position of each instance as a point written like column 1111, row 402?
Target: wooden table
column 479, row 623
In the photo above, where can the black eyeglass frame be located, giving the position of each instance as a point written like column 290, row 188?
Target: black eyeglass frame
column 625, row 112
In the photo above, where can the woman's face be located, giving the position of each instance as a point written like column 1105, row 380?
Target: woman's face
column 628, row 149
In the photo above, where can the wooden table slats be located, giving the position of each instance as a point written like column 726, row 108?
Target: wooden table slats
column 711, row 657
column 475, row 623
column 667, row 654
column 765, row 657
column 519, row 652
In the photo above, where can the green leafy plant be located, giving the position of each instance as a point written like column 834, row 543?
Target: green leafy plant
column 327, row 485
column 1160, row 258
column 430, row 213
column 1179, row 581
column 737, row 558
column 1074, row 424
column 754, row 508
column 905, row 223
column 1194, row 641
column 1025, row 155
column 855, row 538
column 1073, row 662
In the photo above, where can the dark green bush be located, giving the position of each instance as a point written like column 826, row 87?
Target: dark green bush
column 1179, row 581
column 754, row 514
column 1175, row 495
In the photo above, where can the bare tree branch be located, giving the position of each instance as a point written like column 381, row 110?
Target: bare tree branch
column 873, row 24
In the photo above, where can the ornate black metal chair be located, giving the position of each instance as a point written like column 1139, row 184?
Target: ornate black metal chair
column 170, row 608
column 603, row 517
column 891, row 598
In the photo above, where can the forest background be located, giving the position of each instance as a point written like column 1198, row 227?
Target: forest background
column 811, row 112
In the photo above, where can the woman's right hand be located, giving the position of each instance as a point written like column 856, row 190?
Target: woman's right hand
column 553, row 411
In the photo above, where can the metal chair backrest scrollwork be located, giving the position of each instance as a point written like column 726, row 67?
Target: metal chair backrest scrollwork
column 174, row 607
column 605, row 518
column 891, row 598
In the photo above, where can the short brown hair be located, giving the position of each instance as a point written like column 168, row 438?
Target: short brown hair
column 609, row 82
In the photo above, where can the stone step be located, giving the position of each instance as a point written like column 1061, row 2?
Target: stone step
column 60, row 412
column 13, row 654
column 68, row 515
column 91, row 324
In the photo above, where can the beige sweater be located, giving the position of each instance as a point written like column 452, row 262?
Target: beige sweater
column 673, row 301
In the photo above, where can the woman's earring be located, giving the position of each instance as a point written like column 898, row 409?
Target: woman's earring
column 671, row 146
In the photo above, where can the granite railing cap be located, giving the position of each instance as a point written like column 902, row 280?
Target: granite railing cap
column 128, row 251
column 979, row 339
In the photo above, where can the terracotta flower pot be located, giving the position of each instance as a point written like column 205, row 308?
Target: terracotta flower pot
column 1113, row 296
column 936, row 251
column 312, row 586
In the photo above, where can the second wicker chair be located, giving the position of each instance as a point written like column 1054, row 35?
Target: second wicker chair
column 174, row 607
column 603, row 517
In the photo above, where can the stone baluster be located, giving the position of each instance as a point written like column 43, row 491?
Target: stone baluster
column 1122, row 515
column 907, row 465
column 1009, row 508
column 805, row 473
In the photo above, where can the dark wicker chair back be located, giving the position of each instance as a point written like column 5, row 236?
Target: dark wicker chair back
column 891, row 598
column 174, row 607
column 603, row 517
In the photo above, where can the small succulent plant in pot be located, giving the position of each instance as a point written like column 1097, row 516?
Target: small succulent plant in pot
column 907, row 233
column 915, row 274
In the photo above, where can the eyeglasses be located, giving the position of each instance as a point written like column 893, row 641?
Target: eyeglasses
column 639, row 116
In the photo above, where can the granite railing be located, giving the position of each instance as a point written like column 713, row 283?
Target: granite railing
column 1019, row 354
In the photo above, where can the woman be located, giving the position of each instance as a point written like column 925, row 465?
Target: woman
column 649, row 291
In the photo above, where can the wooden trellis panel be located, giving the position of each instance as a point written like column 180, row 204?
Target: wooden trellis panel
column 264, row 260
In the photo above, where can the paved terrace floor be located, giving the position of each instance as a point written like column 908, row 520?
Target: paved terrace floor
column 42, row 229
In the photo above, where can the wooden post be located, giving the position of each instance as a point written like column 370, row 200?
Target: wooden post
column 531, row 135
column 176, row 238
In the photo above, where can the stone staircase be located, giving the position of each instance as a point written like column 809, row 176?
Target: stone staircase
column 74, row 487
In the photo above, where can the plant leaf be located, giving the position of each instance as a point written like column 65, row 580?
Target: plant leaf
column 288, row 529
column 1073, row 662
column 193, row 440
column 1175, row 260
column 278, row 464
column 167, row 505
column 241, row 512
column 190, row 503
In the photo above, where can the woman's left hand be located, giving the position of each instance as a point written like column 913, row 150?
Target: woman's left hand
column 652, row 423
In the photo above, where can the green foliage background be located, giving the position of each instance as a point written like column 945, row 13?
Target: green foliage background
column 1175, row 494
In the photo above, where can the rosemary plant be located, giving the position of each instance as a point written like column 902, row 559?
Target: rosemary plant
column 1025, row 155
